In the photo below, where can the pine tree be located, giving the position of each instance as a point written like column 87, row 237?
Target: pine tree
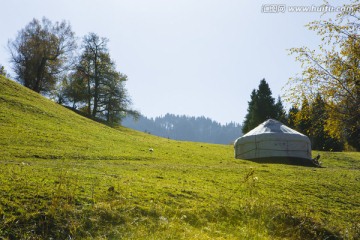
column 266, row 103
column 261, row 107
column 249, row 118
column 280, row 111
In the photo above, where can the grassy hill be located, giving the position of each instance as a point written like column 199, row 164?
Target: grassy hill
column 63, row 176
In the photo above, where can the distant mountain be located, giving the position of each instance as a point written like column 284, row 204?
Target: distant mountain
column 181, row 127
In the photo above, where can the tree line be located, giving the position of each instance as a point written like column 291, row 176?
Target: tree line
column 309, row 118
column 181, row 127
column 330, row 79
column 46, row 58
column 325, row 97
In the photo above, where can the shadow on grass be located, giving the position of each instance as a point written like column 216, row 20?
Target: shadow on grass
column 284, row 225
column 285, row 160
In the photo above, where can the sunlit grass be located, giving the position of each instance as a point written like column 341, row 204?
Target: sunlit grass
column 64, row 176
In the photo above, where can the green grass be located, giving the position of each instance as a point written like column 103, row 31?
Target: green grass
column 64, row 176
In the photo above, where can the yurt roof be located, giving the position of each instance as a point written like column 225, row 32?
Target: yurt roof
column 271, row 126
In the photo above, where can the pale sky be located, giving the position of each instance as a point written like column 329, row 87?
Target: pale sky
column 193, row 57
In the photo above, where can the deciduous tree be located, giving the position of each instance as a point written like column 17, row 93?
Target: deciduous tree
column 333, row 71
column 41, row 52
column 291, row 116
column 303, row 118
column 97, row 84
column 320, row 139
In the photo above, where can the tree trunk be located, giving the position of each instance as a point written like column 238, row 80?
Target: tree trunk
column 39, row 75
column 96, row 87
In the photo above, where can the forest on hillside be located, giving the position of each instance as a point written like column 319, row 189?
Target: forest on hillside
column 181, row 127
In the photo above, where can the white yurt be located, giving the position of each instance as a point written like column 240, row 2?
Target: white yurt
column 272, row 139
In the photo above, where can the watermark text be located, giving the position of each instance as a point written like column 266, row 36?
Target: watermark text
column 282, row 8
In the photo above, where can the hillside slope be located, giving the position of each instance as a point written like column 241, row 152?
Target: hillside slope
column 35, row 127
column 64, row 176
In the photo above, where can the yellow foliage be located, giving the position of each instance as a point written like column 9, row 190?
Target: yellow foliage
column 332, row 71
